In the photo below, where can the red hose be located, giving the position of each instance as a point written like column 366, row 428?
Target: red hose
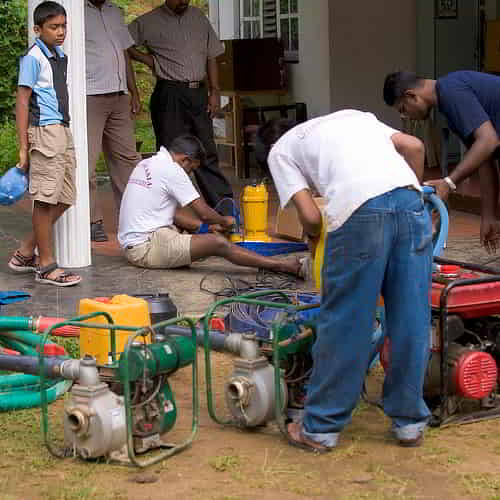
column 4, row 350
column 44, row 322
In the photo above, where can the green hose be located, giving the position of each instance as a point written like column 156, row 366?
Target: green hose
column 31, row 339
column 16, row 323
column 17, row 380
column 18, row 346
column 20, row 399
column 19, row 390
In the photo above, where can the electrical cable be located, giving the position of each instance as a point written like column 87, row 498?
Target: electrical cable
column 265, row 280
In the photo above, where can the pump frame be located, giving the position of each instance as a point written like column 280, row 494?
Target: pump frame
column 112, row 327
column 288, row 310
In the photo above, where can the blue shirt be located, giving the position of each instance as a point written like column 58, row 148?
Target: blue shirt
column 468, row 99
column 45, row 73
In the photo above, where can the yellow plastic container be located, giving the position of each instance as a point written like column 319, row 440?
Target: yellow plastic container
column 125, row 310
column 319, row 255
column 255, row 206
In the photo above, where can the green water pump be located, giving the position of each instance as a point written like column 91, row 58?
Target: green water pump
column 122, row 409
column 96, row 412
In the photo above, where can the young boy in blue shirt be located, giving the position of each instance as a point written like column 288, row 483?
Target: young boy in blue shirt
column 46, row 145
column 470, row 101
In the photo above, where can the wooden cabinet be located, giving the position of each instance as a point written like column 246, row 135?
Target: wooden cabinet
column 232, row 138
column 234, row 122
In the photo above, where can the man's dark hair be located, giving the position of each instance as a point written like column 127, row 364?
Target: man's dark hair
column 396, row 84
column 189, row 145
column 46, row 11
column 267, row 135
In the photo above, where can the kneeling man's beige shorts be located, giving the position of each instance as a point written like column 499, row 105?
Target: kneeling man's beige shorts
column 52, row 164
column 165, row 249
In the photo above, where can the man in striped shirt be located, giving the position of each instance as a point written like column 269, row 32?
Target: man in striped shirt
column 182, row 49
column 112, row 101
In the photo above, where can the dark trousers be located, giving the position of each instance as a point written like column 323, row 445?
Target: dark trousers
column 176, row 109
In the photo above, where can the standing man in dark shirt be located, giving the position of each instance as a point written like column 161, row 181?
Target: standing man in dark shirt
column 470, row 101
column 182, row 49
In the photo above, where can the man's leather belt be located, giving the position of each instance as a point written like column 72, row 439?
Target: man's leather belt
column 189, row 85
column 111, row 94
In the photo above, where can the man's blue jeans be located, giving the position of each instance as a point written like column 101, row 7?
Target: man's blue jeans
column 385, row 248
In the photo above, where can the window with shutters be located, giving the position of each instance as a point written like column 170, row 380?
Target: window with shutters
column 288, row 27
column 271, row 18
column 250, row 18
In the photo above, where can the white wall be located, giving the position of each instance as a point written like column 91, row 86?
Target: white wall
column 310, row 79
column 369, row 41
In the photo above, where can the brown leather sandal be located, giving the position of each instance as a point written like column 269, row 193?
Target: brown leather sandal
column 296, row 438
column 42, row 276
column 22, row 264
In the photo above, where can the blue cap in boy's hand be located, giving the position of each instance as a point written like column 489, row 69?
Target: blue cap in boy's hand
column 13, row 185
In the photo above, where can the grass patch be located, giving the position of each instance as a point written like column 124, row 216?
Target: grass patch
column 225, row 463
column 8, row 145
column 481, row 485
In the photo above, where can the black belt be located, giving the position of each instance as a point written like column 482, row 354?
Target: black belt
column 109, row 94
column 189, row 85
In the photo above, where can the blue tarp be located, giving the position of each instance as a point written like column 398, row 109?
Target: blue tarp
column 10, row 297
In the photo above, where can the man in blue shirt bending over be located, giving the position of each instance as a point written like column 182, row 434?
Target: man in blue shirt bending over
column 470, row 101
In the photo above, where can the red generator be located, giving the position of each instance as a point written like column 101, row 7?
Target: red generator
column 462, row 376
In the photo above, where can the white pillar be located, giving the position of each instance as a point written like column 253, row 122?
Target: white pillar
column 213, row 14
column 72, row 231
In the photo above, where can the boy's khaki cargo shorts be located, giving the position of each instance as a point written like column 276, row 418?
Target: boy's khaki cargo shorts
column 52, row 164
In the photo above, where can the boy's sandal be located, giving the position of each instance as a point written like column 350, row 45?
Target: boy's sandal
column 62, row 279
column 296, row 438
column 22, row 264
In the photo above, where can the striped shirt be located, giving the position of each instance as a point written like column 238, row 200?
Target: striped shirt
column 106, row 37
column 45, row 73
column 180, row 45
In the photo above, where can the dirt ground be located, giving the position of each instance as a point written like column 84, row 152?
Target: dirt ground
column 226, row 463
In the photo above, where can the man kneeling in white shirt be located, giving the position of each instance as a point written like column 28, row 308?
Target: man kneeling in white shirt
column 147, row 229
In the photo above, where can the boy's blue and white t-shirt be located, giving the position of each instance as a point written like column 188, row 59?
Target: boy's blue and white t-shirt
column 45, row 72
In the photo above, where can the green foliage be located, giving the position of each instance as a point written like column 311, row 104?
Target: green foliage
column 13, row 39
column 72, row 345
column 144, row 134
column 8, row 145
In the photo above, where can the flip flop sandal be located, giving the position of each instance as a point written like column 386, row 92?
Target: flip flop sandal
column 97, row 232
column 42, row 274
column 26, row 264
column 297, row 439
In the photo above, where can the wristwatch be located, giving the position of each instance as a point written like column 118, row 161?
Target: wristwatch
column 451, row 184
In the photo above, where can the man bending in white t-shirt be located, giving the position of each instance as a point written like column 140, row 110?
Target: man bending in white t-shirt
column 147, row 231
column 378, row 242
